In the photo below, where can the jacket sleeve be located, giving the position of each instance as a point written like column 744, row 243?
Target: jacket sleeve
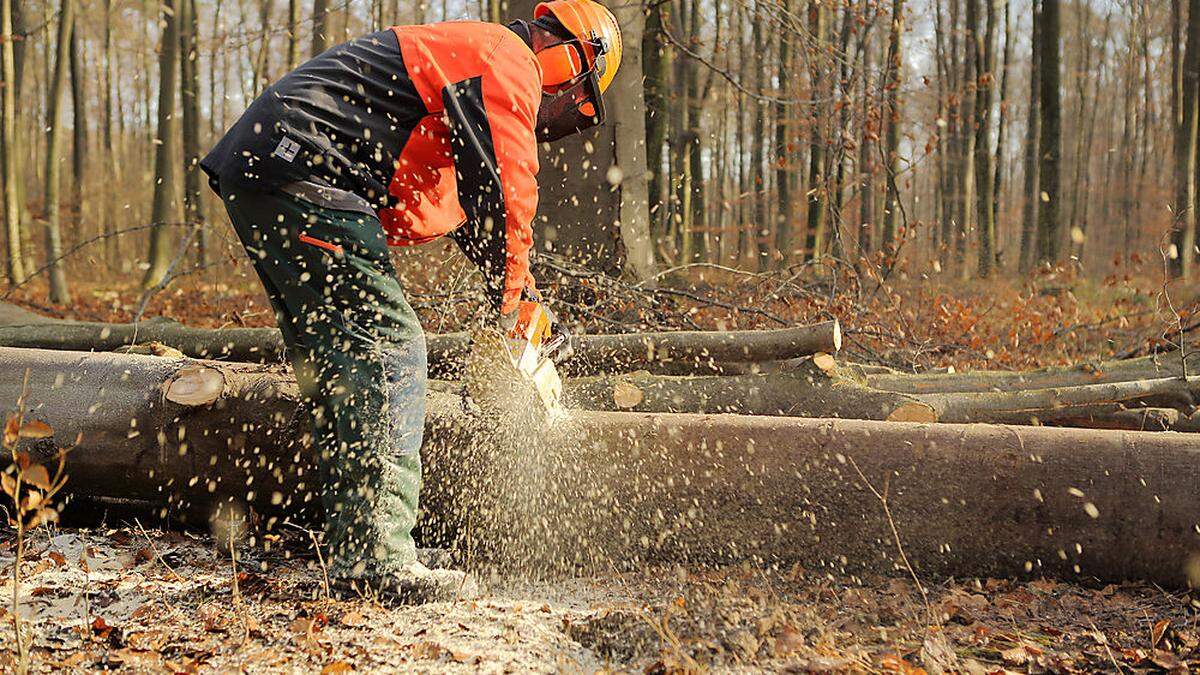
column 491, row 119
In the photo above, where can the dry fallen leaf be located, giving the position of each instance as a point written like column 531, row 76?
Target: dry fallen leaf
column 35, row 429
column 37, row 475
column 337, row 667
column 1157, row 632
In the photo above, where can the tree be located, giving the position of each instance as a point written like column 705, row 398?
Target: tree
column 892, row 139
column 322, row 37
column 190, row 95
column 656, row 72
column 9, row 145
column 1184, row 233
column 59, row 292
column 817, row 23
column 165, row 207
column 983, row 44
column 1033, row 138
column 1049, row 222
column 293, row 37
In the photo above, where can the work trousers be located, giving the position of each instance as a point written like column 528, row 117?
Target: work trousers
column 359, row 356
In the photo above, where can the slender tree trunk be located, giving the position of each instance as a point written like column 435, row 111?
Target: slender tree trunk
column 190, row 97
column 893, row 79
column 79, row 118
column 984, row 44
column 814, row 235
column 322, row 37
column 1185, row 149
column 655, row 71
column 111, row 161
column 1049, row 220
column 758, row 176
column 1002, row 123
column 165, row 208
column 293, row 38
column 784, row 226
column 1033, row 137
column 59, row 292
column 9, row 139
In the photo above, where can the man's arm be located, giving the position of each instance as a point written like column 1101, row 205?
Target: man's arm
column 491, row 119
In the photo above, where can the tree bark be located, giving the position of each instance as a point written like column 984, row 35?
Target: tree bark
column 190, row 97
column 1186, row 138
column 59, row 292
column 892, row 82
column 697, row 489
column 79, row 140
column 1144, row 368
column 983, row 43
column 592, row 353
column 10, row 146
column 1033, row 126
column 164, row 212
column 1050, row 147
column 322, row 36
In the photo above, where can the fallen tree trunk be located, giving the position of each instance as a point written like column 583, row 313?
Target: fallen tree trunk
column 593, row 353
column 1144, row 368
column 805, row 390
column 633, row 487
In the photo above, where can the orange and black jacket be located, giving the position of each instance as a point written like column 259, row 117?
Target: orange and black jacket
column 430, row 127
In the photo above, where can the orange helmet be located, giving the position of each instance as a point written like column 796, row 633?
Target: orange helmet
column 590, row 22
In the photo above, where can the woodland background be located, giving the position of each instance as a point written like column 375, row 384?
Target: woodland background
column 812, row 139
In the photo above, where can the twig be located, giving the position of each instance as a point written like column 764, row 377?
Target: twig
column 154, row 550
column 887, row 512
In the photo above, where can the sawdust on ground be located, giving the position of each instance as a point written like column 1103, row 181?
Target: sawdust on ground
column 120, row 599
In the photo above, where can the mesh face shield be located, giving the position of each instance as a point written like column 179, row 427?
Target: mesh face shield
column 574, row 107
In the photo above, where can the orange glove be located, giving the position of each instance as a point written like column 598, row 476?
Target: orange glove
column 534, row 322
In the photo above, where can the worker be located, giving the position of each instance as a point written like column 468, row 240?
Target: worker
column 397, row 138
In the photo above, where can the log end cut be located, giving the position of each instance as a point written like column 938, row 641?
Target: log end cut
column 195, row 386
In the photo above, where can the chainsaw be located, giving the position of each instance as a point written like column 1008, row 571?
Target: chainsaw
column 505, row 370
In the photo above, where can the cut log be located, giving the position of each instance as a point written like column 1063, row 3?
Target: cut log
column 1021, row 407
column 1144, row 368
column 633, row 487
column 593, row 353
column 805, row 390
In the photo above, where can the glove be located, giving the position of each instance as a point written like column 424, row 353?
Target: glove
column 531, row 321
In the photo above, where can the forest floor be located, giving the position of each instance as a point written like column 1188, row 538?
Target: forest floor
column 150, row 601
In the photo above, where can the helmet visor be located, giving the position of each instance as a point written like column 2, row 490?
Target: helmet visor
column 573, row 108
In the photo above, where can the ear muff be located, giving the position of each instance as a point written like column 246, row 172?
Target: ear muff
column 561, row 64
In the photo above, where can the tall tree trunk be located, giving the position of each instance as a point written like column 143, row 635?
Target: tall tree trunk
column 655, row 76
column 322, row 37
column 164, row 211
column 895, row 65
column 190, row 97
column 9, row 140
column 1049, row 220
column 1186, row 137
column 783, row 228
column 758, row 178
column 814, row 234
column 79, row 118
column 59, row 292
column 1002, row 122
column 293, row 37
column 1033, row 138
column 984, row 44
column 111, row 162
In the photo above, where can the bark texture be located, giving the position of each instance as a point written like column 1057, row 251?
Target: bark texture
column 656, row 487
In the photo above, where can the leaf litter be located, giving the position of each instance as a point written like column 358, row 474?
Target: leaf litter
column 96, row 601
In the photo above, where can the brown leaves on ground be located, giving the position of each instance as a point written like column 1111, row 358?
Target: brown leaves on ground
column 140, row 615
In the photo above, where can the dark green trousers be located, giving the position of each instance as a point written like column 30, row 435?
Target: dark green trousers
column 359, row 355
